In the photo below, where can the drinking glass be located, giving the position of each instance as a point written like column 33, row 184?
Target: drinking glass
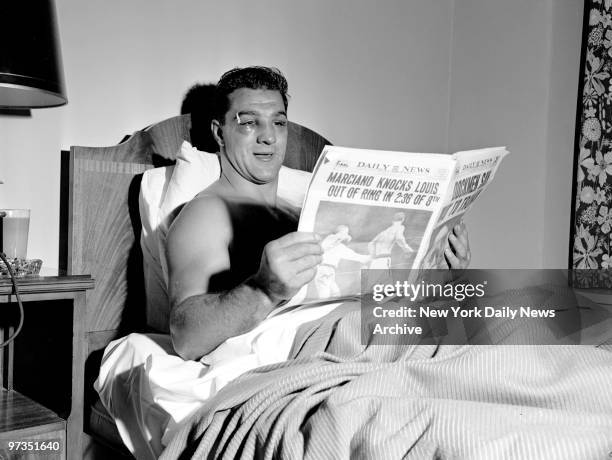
column 14, row 227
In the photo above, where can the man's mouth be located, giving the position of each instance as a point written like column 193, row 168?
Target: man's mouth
column 263, row 155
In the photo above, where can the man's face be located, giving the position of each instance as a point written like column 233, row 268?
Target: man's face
column 254, row 133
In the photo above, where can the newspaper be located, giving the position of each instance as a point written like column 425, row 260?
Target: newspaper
column 386, row 210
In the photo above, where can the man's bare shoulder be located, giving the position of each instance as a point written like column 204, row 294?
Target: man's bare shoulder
column 197, row 246
column 206, row 201
column 205, row 215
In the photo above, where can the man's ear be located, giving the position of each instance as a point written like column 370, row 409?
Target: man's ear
column 217, row 132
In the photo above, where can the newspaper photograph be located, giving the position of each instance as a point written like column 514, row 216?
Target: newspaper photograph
column 386, row 210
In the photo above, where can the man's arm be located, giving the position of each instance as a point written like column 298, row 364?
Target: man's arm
column 197, row 249
column 401, row 240
column 349, row 254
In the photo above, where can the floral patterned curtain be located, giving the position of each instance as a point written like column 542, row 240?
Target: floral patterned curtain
column 592, row 214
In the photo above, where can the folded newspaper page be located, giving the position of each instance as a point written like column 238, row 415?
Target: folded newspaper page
column 386, row 210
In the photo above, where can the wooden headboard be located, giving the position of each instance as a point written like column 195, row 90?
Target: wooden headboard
column 100, row 223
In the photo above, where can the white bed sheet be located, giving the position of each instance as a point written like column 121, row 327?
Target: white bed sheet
column 150, row 391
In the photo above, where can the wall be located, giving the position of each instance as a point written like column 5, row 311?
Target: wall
column 360, row 74
column 514, row 81
column 564, row 78
column 421, row 75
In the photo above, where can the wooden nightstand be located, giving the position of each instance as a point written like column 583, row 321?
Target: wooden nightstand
column 29, row 430
column 19, row 415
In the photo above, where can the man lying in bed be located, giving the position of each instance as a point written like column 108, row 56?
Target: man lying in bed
column 233, row 257
column 233, row 254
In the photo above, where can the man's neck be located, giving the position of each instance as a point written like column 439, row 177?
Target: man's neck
column 233, row 184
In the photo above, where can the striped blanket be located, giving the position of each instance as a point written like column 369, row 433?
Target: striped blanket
column 338, row 398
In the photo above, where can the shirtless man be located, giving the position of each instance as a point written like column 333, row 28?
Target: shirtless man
column 233, row 256
column 233, row 252
column 381, row 245
column 335, row 250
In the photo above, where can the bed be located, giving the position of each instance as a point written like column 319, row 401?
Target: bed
column 336, row 397
column 100, row 229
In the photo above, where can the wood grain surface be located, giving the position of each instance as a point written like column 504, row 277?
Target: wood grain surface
column 18, row 412
column 23, row 420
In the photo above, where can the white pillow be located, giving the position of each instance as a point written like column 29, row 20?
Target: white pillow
column 162, row 192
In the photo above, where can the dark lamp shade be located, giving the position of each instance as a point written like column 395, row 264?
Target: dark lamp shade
column 31, row 73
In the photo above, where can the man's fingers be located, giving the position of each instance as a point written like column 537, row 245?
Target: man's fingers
column 457, row 246
column 305, row 276
column 296, row 238
column 457, row 251
column 460, row 230
column 453, row 260
column 299, row 250
column 306, row 262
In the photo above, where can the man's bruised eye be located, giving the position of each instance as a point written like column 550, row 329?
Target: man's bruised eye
column 247, row 125
column 280, row 123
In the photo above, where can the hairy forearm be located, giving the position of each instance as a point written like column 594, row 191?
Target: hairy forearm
column 202, row 322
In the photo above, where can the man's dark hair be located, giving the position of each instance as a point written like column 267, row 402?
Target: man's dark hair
column 257, row 77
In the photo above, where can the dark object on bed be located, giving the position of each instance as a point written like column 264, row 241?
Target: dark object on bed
column 100, row 232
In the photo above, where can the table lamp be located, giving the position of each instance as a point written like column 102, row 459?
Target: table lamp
column 31, row 72
column 31, row 76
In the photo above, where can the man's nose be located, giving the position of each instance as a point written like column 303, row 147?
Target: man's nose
column 267, row 135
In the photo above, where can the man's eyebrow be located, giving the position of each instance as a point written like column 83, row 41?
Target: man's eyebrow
column 247, row 112
column 255, row 113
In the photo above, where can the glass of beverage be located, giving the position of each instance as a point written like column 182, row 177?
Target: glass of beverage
column 14, row 227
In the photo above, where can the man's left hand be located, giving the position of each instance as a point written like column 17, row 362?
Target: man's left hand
column 457, row 250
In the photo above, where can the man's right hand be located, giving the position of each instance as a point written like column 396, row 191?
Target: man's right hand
column 287, row 264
